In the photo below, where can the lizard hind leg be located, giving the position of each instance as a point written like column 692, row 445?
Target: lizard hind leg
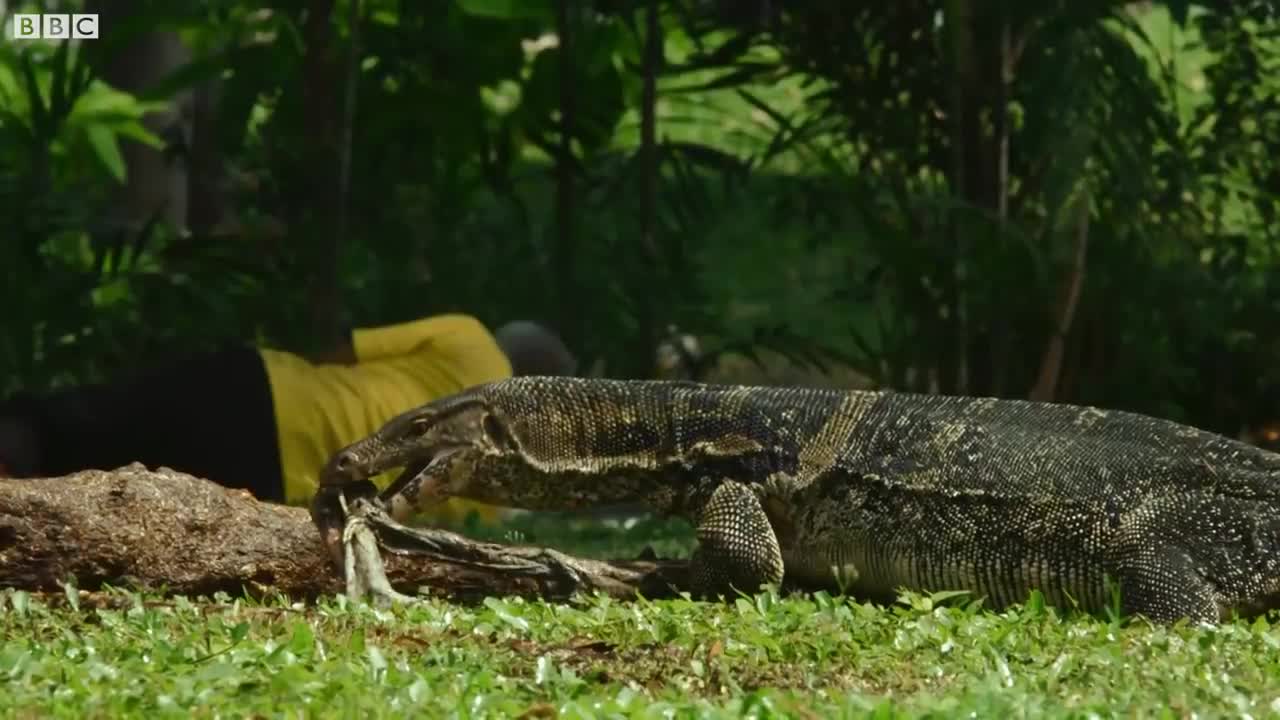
column 737, row 548
column 1163, row 585
column 1202, row 558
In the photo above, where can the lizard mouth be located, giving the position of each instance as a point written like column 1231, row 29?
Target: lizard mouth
column 420, row 472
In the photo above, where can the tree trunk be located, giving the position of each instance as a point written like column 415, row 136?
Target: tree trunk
column 565, row 250
column 646, row 334
column 208, row 191
column 1000, row 344
column 1051, row 364
column 320, row 101
column 966, row 158
column 171, row 532
column 156, row 183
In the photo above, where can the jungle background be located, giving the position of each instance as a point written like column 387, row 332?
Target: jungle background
column 1072, row 201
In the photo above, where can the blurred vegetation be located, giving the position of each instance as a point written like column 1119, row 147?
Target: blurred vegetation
column 1070, row 201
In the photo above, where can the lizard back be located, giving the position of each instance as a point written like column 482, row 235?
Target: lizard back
column 947, row 443
column 896, row 489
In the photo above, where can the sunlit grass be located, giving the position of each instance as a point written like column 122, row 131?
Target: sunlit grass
column 764, row 656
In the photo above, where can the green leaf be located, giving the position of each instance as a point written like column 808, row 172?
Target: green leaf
column 356, row 645
column 72, row 595
column 377, row 662
column 137, row 131
column 103, row 142
column 1035, row 603
column 21, row 601
column 939, row 598
column 107, row 102
column 545, row 670
column 193, row 73
column 508, row 9
column 303, row 640
column 41, row 123
column 504, row 614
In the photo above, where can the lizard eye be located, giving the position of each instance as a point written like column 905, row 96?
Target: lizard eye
column 419, row 427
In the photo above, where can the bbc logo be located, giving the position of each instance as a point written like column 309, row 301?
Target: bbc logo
column 54, row 27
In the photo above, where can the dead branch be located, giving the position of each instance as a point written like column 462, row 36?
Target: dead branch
column 171, row 532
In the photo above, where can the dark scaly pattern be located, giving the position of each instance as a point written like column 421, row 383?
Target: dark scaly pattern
column 898, row 490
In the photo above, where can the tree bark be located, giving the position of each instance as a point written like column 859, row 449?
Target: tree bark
column 1045, row 389
column 209, row 201
column 156, row 183
column 320, row 73
column 966, row 158
column 564, row 250
column 164, row 531
column 645, row 336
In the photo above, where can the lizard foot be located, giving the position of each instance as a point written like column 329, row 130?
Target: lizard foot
column 329, row 513
column 737, row 549
column 1163, row 585
column 363, row 568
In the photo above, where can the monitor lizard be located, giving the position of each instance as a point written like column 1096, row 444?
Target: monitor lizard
column 869, row 492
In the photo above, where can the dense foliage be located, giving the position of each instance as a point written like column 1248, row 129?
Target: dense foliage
column 1062, row 200
column 1073, row 201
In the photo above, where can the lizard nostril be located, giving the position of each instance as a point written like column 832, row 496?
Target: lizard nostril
column 344, row 463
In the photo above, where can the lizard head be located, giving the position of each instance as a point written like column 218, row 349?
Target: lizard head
column 440, row 446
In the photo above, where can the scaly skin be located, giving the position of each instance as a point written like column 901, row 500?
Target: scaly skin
column 871, row 492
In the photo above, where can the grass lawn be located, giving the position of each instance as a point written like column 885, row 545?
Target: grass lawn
column 803, row 656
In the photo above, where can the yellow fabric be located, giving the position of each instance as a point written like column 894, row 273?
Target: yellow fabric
column 321, row 408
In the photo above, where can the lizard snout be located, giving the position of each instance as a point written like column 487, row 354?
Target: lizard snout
column 341, row 469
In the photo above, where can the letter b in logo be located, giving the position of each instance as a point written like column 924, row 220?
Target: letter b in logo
column 26, row 27
column 57, row 27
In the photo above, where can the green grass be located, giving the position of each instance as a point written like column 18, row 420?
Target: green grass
column 766, row 656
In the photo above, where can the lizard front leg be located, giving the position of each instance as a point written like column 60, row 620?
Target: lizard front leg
column 329, row 514
column 341, row 510
column 422, row 484
column 737, row 548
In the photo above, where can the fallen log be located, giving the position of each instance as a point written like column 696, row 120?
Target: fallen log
column 165, row 531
